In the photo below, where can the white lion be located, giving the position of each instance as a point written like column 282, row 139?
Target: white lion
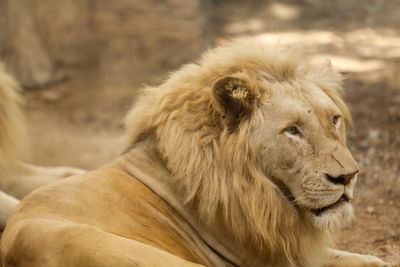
column 239, row 159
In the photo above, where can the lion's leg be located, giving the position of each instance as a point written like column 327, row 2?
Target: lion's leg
column 7, row 204
column 26, row 179
column 45, row 242
column 49, row 174
column 339, row 258
column 30, row 177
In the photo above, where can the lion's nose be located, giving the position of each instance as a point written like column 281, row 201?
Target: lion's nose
column 343, row 179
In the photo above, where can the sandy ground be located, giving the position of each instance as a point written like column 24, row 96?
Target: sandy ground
column 80, row 122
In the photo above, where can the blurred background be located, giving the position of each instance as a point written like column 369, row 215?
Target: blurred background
column 82, row 63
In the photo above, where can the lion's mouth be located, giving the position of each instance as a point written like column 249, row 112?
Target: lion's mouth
column 318, row 212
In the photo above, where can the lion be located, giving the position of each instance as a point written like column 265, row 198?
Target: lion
column 18, row 178
column 238, row 159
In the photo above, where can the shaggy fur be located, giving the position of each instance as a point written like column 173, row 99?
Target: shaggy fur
column 12, row 133
column 17, row 179
column 217, row 168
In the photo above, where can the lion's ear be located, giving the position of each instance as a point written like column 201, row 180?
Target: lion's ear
column 235, row 99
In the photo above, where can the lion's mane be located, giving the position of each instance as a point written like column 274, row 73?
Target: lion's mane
column 13, row 140
column 216, row 167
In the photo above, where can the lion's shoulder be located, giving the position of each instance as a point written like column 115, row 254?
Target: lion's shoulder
column 111, row 200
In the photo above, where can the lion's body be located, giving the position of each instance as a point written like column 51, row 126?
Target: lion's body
column 141, row 218
column 150, row 215
column 214, row 175
column 18, row 179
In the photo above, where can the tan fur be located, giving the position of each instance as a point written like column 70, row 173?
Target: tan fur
column 12, row 134
column 206, row 160
column 17, row 179
column 212, row 173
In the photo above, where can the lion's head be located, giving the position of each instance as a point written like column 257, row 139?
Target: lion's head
column 304, row 131
column 256, row 141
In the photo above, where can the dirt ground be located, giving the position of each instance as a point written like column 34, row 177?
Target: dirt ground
column 79, row 122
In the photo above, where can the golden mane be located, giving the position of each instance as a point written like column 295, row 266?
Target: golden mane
column 12, row 133
column 216, row 168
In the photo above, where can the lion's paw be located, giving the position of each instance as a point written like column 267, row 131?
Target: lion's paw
column 372, row 261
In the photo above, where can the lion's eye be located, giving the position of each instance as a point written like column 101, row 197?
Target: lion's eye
column 293, row 130
column 335, row 119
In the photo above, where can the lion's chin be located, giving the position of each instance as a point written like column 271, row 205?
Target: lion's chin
column 335, row 217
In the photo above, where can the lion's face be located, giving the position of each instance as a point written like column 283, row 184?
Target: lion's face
column 304, row 151
column 301, row 142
